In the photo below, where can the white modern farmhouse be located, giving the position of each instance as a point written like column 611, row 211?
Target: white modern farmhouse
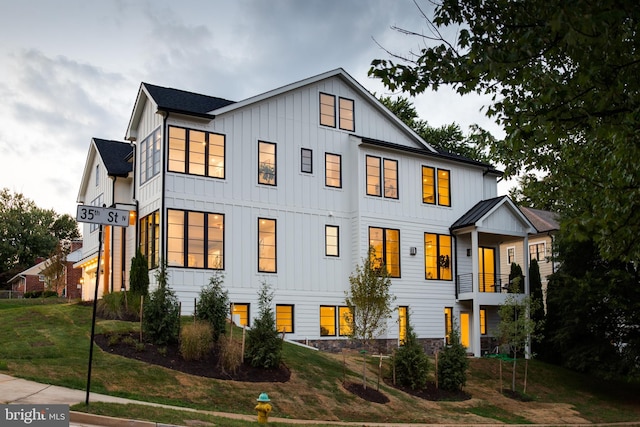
column 292, row 187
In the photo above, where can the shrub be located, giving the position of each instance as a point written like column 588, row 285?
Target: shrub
column 453, row 364
column 230, row 355
column 161, row 312
column 213, row 305
column 111, row 306
column 139, row 275
column 196, row 340
column 264, row 346
column 410, row 361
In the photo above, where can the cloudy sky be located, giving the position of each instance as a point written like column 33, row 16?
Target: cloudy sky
column 70, row 69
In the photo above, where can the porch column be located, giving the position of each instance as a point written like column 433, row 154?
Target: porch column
column 475, row 316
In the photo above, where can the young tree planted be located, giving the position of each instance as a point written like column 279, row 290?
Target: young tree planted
column 264, row 345
column 213, row 305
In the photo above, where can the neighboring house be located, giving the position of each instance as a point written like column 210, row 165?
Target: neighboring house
column 291, row 188
column 540, row 245
column 33, row 279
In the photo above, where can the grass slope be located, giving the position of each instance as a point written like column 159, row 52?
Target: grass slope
column 50, row 343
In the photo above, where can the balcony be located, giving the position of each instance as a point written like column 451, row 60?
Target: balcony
column 489, row 284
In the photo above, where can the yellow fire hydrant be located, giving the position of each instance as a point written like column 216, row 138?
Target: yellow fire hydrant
column 263, row 407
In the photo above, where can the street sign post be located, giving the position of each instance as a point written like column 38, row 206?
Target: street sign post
column 103, row 216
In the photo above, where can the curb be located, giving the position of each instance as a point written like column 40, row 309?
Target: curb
column 104, row 421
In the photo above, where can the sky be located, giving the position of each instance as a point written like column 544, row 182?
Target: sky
column 70, row 69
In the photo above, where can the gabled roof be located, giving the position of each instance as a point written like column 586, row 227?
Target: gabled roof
column 476, row 213
column 180, row 101
column 34, row 270
column 543, row 221
column 114, row 155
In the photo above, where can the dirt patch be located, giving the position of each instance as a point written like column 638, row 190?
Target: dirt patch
column 169, row 356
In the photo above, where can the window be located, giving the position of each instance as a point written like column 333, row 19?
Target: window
column 483, row 321
column 511, row 255
column 328, row 320
column 195, row 239
column 333, row 170
column 284, row 318
column 388, row 174
column 386, row 244
column 196, row 152
column 436, row 182
column 437, row 256
column 266, row 163
column 402, row 324
column 537, row 251
column 266, row 245
column 331, row 240
column 327, row 110
column 448, row 324
column 345, row 112
column 150, row 238
column 150, row 156
column 240, row 311
column 98, row 201
column 306, row 160
column 97, row 175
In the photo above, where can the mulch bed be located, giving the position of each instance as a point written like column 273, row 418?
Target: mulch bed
column 169, row 357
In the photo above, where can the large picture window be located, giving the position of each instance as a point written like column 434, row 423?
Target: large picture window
column 436, row 188
column 195, row 239
column 386, row 244
column 267, row 252
column 335, row 320
column 150, row 238
column 196, row 152
column 437, row 256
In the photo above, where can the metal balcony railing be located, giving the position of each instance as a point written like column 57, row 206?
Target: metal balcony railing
column 490, row 283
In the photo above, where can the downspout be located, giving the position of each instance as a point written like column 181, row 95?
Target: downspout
column 163, row 216
column 455, row 261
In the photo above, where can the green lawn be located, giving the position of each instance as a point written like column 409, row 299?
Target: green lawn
column 49, row 342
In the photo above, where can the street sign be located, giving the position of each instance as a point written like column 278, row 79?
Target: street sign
column 106, row 216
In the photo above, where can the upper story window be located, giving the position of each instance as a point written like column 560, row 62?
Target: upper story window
column 437, row 257
column 266, row 163
column 537, row 251
column 98, row 201
column 382, row 177
column 195, row 239
column 150, row 156
column 436, row 186
column 267, row 249
column 345, row 112
column 511, row 255
column 196, row 152
column 331, row 240
column 386, row 244
column 306, row 160
column 97, row 175
column 150, row 238
column 333, row 170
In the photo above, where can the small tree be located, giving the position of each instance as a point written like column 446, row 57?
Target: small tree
column 264, row 345
column 411, row 363
column 516, row 278
column 139, row 275
column 453, row 364
column 537, row 308
column 369, row 299
column 213, row 305
column 516, row 327
column 54, row 269
column 161, row 320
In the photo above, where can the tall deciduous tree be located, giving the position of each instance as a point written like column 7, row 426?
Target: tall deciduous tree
column 563, row 80
column 54, row 269
column 28, row 232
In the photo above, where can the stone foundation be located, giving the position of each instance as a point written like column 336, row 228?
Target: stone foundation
column 380, row 346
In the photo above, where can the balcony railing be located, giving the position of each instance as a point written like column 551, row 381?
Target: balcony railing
column 490, row 283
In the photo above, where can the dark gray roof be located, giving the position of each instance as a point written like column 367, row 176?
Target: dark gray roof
column 423, row 151
column 115, row 156
column 543, row 221
column 475, row 213
column 180, row 101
